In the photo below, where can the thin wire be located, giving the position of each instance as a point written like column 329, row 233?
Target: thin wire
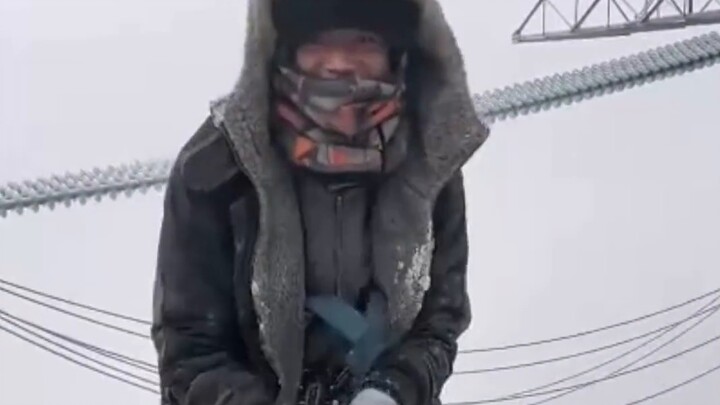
column 477, row 371
column 676, row 386
column 75, row 352
column 641, row 358
column 130, row 361
column 700, row 312
column 624, row 373
column 591, row 331
column 70, row 313
column 76, row 304
column 661, row 331
column 79, row 363
column 465, row 351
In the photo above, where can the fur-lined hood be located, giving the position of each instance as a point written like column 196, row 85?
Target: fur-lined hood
column 449, row 133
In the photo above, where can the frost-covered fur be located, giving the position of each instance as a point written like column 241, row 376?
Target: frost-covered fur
column 402, row 221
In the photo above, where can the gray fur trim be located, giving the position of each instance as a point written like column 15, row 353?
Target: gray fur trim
column 278, row 281
column 450, row 132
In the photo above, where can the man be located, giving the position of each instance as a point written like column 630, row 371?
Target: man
column 313, row 247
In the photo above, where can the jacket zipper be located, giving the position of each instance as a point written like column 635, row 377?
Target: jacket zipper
column 338, row 243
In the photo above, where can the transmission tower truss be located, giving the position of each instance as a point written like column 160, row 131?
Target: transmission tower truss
column 530, row 97
column 554, row 20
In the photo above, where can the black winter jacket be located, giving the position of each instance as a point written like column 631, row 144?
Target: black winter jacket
column 230, row 290
column 205, row 329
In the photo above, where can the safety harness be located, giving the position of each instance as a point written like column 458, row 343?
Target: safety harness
column 368, row 335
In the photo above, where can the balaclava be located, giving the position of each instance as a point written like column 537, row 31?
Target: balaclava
column 344, row 125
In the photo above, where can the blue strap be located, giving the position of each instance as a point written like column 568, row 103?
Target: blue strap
column 368, row 335
column 339, row 315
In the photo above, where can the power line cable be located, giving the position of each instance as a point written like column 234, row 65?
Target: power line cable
column 661, row 331
column 700, row 312
column 146, row 366
column 130, row 361
column 637, row 369
column 75, row 352
column 621, row 374
column 75, row 303
column 509, row 102
column 464, row 351
column 79, row 363
column 73, row 314
column 676, row 386
column 636, row 361
column 591, row 331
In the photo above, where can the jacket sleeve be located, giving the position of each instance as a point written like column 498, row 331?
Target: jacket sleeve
column 415, row 371
column 201, row 356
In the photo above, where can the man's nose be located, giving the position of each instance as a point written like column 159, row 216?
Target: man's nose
column 338, row 64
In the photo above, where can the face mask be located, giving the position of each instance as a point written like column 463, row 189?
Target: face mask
column 336, row 125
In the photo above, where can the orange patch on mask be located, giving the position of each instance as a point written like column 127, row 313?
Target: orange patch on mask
column 338, row 158
column 303, row 148
column 344, row 120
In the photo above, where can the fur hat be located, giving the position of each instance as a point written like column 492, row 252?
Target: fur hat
column 396, row 21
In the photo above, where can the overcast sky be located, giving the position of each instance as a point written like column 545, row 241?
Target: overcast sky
column 578, row 217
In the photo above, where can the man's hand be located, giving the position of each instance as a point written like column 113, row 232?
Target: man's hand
column 371, row 396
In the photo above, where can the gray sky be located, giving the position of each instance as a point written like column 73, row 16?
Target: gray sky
column 578, row 217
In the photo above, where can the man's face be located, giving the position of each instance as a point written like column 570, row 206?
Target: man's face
column 345, row 53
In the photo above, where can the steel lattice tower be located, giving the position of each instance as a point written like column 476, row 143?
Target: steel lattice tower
column 582, row 19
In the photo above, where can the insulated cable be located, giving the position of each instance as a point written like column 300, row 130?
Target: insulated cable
column 659, row 332
column 641, row 358
column 463, row 351
column 77, row 362
column 75, row 352
column 509, row 102
column 700, row 312
column 75, row 304
column 73, row 314
column 621, row 374
column 676, row 386
column 592, row 331
column 130, row 361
